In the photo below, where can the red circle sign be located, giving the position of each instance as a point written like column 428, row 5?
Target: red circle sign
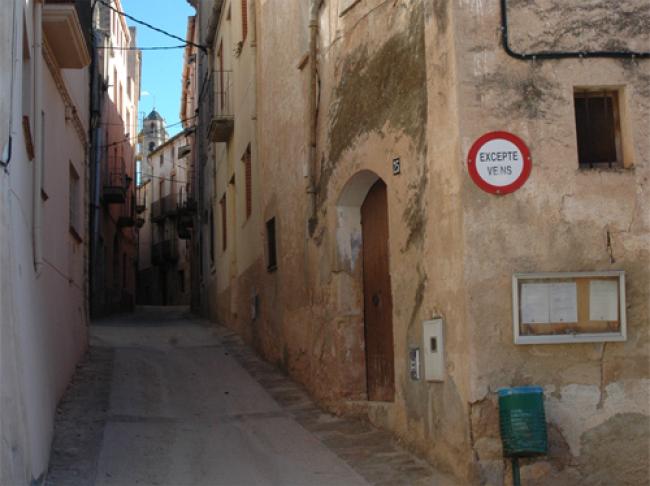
column 499, row 162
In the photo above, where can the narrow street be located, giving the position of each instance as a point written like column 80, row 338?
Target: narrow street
column 166, row 399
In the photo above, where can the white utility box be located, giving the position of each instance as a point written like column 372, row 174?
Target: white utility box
column 433, row 350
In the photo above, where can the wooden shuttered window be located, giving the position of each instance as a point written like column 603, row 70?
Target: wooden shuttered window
column 598, row 128
column 224, row 227
column 271, row 247
column 248, row 172
column 244, row 19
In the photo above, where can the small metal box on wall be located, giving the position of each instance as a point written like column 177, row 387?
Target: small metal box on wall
column 433, row 350
column 569, row 307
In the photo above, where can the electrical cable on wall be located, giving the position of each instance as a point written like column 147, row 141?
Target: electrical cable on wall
column 531, row 56
column 137, row 137
column 152, row 27
column 150, row 48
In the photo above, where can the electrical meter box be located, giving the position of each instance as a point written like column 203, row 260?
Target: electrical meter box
column 433, row 350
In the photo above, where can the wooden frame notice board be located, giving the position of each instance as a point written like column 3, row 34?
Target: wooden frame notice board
column 559, row 307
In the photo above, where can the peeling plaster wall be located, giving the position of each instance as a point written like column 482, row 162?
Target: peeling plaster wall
column 596, row 394
column 387, row 88
column 421, row 80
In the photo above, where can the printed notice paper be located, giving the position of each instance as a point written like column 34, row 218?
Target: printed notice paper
column 603, row 300
column 535, row 303
column 544, row 303
column 563, row 300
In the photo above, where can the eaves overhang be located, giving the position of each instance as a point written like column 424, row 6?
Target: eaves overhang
column 65, row 36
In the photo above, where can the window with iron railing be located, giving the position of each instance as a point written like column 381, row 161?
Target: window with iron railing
column 223, row 94
column 598, row 128
column 115, row 172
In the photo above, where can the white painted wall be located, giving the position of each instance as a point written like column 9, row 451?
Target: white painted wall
column 42, row 315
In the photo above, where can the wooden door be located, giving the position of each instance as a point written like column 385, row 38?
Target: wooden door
column 378, row 301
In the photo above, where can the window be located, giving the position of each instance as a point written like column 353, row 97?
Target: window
column 42, row 156
column 246, row 159
column 152, row 145
column 271, row 245
column 124, row 279
column 74, row 196
column 224, row 228
column 161, row 188
column 162, row 159
column 128, row 87
column 181, row 281
column 128, row 121
column 244, row 19
column 114, row 85
column 120, row 100
column 598, row 128
column 27, row 93
column 221, row 88
column 211, row 237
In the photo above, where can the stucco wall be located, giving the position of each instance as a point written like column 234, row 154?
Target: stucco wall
column 387, row 88
column 559, row 221
column 421, row 81
column 44, row 318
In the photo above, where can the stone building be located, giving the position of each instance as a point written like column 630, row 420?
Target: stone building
column 152, row 135
column 116, row 92
column 188, row 221
column 164, row 247
column 354, row 220
column 44, row 144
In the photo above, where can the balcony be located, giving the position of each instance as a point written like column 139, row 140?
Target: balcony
column 126, row 219
column 165, row 207
column 165, row 251
column 186, row 212
column 116, row 181
column 222, row 122
column 141, row 199
column 156, row 254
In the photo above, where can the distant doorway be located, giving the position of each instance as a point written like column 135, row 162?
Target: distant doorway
column 377, row 296
column 163, row 286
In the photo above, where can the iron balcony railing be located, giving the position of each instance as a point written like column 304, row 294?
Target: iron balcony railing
column 126, row 218
column 164, row 251
column 187, row 209
column 164, row 207
column 221, row 100
column 116, row 181
column 141, row 199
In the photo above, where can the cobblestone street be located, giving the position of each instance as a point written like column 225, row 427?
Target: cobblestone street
column 165, row 399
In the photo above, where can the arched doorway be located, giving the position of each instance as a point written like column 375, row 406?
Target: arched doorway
column 377, row 296
column 362, row 237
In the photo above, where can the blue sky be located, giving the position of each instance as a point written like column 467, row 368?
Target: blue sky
column 161, row 70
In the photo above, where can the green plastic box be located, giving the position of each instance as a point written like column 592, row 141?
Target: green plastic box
column 523, row 421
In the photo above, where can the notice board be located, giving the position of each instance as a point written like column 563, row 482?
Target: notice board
column 561, row 307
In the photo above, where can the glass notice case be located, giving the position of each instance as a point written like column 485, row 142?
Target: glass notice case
column 568, row 307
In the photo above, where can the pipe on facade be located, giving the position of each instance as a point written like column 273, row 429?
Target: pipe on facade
column 313, row 115
column 38, row 131
column 531, row 56
column 5, row 156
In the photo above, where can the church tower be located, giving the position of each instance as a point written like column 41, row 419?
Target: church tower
column 153, row 135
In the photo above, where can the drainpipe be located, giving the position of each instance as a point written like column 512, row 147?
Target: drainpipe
column 38, row 132
column 5, row 154
column 313, row 115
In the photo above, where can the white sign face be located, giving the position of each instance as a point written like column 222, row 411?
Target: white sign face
column 603, row 300
column 499, row 162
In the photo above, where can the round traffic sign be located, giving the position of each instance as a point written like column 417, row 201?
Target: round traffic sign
column 499, row 162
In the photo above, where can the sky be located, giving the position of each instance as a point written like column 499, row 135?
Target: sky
column 161, row 70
